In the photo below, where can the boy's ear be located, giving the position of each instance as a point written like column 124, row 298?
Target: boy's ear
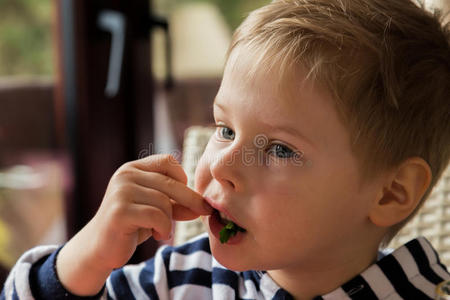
column 401, row 193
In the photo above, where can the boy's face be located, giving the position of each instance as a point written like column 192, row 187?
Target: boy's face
column 280, row 166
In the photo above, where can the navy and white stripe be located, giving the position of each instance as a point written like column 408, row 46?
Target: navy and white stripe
column 191, row 272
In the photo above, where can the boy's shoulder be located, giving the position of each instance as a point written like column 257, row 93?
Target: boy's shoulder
column 412, row 271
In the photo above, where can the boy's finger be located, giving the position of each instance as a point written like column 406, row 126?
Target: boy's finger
column 175, row 190
column 144, row 234
column 152, row 197
column 181, row 213
column 162, row 163
column 144, row 216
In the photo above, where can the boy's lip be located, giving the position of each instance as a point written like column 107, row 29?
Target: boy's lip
column 219, row 207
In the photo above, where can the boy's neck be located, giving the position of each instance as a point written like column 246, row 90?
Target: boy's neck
column 306, row 282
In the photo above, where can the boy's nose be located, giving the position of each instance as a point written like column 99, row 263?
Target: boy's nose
column 226, row 168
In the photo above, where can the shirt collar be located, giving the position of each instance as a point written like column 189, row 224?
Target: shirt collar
column 410, row 272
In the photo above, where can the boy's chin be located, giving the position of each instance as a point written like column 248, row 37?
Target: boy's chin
column 232, row 257
column 227, row 258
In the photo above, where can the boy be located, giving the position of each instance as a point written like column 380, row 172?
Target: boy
column 332, row 128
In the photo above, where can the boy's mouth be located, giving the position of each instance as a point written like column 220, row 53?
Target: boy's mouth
column 229, row 228
column 223, row 219
column 224, row 229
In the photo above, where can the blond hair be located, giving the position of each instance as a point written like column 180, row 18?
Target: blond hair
column 386, row 62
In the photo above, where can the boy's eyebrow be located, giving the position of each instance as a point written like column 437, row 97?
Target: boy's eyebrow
column 289, row 129
column 292, row 131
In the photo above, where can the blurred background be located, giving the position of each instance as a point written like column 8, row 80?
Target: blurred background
column 88, row 85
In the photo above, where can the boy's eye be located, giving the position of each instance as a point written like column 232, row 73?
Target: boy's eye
column 226, row 133
column 281, row 151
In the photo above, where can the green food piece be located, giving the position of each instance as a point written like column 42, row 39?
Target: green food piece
column 228, row 231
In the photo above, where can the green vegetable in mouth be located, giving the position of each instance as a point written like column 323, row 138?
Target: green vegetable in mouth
column 228, row 231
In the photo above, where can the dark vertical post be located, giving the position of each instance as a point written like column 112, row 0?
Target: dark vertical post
column 102, row 130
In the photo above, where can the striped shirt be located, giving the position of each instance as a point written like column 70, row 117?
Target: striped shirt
column 191, row 272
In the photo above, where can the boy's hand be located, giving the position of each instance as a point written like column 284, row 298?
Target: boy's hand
column 142, row 199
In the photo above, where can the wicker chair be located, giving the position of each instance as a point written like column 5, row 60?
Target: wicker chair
column 432, row 221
